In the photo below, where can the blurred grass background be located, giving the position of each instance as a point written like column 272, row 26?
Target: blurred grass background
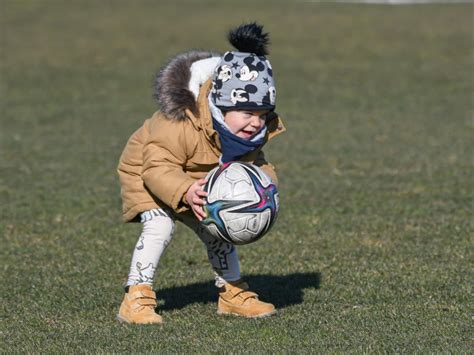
column 373, row 248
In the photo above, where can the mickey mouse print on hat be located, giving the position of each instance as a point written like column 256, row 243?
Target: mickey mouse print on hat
column 243, row 79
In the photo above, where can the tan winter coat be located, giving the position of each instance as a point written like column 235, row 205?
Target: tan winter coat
column 173, row 149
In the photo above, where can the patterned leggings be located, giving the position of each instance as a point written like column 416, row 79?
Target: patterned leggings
column 158, row 228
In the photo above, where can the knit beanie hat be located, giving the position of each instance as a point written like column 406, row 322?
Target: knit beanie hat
column 243, row 79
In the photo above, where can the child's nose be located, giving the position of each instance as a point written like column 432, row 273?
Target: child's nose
column 255, row 121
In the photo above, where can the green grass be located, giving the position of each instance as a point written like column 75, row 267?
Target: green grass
column 373, row 248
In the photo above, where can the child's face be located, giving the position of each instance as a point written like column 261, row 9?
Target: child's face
column 245, row 123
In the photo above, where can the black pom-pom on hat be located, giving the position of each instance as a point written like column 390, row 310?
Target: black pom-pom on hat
column 249, row 38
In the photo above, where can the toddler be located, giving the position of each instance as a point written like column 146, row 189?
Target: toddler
column 213, row 109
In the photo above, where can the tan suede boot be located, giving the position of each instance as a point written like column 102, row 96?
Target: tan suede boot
column 235, row 298
column 138, row 306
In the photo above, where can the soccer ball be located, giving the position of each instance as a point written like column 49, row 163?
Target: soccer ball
column 242, row 203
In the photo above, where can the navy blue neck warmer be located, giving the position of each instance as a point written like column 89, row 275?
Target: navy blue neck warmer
column 232, row 146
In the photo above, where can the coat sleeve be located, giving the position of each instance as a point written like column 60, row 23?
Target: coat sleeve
column 268, row 168
column 164, row 161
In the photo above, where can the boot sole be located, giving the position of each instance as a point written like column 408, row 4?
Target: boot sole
column 263, row 315
column 122, row 320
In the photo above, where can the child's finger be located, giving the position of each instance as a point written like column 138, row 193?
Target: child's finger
column 199, row 212
column 202, row 181
column 199, row 201
column 201, row 193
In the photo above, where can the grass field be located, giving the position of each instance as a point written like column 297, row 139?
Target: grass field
column 373, row 248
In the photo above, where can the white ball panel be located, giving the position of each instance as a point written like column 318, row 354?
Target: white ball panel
column 235, row 173
column 244, row 190
column 235, row 222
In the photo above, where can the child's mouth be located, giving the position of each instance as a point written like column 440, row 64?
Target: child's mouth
column 247, row 134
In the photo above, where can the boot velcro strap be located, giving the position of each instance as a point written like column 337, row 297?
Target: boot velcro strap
column 144, row 302
column 248, row 294
column 144, row 294
column 236, row 290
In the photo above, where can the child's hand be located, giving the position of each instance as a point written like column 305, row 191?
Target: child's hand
column 195, row 198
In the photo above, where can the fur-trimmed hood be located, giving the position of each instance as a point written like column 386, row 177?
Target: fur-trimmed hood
column 177, row 83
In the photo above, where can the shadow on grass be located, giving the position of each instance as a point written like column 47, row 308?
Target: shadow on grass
column 282, row 291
